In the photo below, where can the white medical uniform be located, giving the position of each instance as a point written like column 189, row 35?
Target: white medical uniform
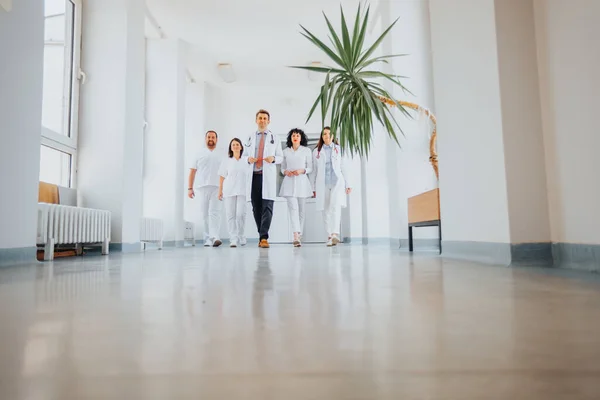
column 296, row 189
column 330, row 181
column 235, row 173
column 206, row 184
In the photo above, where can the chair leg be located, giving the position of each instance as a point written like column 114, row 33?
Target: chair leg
column 49, row 250
column 410, row 238
column 105, row 247
column 440, row 235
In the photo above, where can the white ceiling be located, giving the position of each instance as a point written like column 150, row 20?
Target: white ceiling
column 260, row 38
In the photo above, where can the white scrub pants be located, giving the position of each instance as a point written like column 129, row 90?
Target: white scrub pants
column 235, row 210
column 296, row 207
column 210, row 207
column 331, row 214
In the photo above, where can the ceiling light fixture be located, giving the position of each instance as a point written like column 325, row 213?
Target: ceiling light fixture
column 226, row 72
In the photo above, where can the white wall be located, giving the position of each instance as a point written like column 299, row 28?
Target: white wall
column 522, row 122
column 567, row 37
column 111, row 113
column 21, row 73
column 473, row 196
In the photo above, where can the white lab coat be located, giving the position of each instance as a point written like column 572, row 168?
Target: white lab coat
column 296, row 186
column 317, row 177
column 269, row 175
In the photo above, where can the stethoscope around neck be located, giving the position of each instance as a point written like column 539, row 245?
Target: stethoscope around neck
column 250, row 140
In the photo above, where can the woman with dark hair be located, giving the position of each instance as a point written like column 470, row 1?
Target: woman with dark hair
column 330, row 183
column 232, row 189
column 296, row 187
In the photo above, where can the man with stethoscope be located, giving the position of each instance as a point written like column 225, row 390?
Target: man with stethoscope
column 263, row 151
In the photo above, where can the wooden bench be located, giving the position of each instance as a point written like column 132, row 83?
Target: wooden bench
column 424, row 210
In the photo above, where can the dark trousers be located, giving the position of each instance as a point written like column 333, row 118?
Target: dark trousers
column 262, row 209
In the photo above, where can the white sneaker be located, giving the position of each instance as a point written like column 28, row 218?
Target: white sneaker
column 243, row 240
column 208, row 243
column 329, row 242
column 335, row 240
column 233, row 243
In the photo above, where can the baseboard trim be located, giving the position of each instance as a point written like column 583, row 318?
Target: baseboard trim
column 532, row 254
column 483, row 252
column 582, row 257
column 16, row 256
column 574, row 256
column 419, row 244
column 123, row 247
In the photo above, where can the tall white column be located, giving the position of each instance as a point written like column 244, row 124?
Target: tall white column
column 164, row 182
column 21, row 74
column 111, row 114
column 194, row 140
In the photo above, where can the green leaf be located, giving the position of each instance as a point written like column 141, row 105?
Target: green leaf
column 323, row 47
column 351, row 94
column 377, row 43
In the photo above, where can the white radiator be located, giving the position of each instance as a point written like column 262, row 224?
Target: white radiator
column 189, row 232
column 60, row 224
column 151, row 231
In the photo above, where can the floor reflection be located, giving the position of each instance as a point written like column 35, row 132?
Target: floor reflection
column 314, row 322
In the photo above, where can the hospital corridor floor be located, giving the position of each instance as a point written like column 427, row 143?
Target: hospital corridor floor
column 349, row 322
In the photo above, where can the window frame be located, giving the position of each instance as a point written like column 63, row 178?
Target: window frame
column 73, row 75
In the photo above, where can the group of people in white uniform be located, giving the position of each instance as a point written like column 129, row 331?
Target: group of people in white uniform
column 248, row 172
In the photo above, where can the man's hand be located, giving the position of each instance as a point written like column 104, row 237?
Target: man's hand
column 252, row 160
column 299, row 172
column 269, row 159
column 220, row 195
column 348, row 190
column 288, row 173
column 191, row 193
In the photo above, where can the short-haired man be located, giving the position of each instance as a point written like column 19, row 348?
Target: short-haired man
column 204, row 174
column 263, row 150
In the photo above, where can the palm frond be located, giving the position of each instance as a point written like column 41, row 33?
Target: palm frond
column 351, row 92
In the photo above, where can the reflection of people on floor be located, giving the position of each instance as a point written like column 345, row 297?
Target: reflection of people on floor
column 330, row 183
column 263, row 283
column 263, row 150
column 232, row 189
column 204, row 175
column 296, row 187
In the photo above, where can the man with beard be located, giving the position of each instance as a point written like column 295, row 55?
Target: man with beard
column 206, row 167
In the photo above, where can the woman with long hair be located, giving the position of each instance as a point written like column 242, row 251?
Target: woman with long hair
column 330, row 183
column 296, row 187
column 232, row 189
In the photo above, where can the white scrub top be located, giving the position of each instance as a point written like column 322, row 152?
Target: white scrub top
column 235, row 173
column 207, row 164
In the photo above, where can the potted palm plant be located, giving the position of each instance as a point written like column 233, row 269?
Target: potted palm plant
column 350, row 91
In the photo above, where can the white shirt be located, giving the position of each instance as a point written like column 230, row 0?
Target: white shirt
column 235, row 172
column 207, row 164
column 296, row 186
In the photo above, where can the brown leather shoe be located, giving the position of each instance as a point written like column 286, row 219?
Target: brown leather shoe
column 263, row 244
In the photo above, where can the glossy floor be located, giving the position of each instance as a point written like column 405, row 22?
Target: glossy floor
column 350, row 322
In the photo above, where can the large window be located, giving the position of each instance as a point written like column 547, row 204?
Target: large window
column 61, row 91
